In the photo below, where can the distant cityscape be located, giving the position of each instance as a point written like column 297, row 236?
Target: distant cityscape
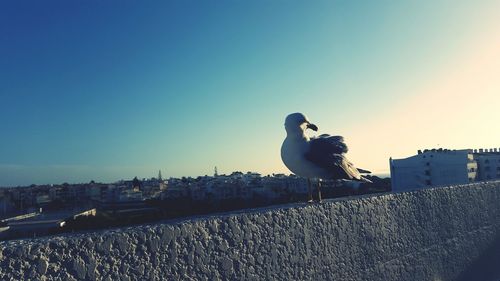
column 36, row 210
column 45, row 209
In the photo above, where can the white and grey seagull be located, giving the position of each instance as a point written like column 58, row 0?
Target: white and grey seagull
column 319, row 157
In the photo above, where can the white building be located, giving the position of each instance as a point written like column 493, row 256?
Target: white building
column 436, row 167
column 130, row 194
column 488, row 162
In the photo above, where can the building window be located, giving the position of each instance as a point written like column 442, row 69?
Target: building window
column 427, row 164
column 428, row 182
column 427, row 172
column 487, row 161
column 487, row 168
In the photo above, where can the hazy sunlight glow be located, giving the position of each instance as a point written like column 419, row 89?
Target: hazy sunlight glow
column 458, row 110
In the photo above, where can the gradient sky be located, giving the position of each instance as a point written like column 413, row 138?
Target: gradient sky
column 109, row 90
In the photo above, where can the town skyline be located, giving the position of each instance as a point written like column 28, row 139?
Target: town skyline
column 97, row 91
column 166, row 178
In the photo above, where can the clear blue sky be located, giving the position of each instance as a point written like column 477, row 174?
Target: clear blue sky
column 106, row 90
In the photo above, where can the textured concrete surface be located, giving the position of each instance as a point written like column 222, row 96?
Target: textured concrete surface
column 435, row 234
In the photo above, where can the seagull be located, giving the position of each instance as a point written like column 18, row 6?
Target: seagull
column 319, row 157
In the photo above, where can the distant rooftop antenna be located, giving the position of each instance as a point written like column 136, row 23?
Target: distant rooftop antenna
column 215, row 172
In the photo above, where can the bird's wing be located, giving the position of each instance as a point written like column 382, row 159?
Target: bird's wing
column 347, row 166
column 327, row 152
column 330, row 144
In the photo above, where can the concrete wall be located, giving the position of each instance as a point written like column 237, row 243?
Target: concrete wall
column 434, row 234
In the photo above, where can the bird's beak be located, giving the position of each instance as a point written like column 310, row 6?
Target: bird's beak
column 312, row 127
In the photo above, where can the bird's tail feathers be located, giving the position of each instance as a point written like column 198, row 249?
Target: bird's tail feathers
column 363, row 171
column 363, row 179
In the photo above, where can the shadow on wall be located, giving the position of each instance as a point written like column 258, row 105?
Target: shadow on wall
column 486, row 267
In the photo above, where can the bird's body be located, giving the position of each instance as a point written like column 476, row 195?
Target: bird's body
column 320, row 157
column 293, row 154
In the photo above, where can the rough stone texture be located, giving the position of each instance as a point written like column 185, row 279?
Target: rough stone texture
column 434, row 234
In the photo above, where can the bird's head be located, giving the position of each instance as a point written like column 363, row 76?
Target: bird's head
column 297, row 123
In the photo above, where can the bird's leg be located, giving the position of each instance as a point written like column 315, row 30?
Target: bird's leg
column 319, row 190
column 310, row 190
